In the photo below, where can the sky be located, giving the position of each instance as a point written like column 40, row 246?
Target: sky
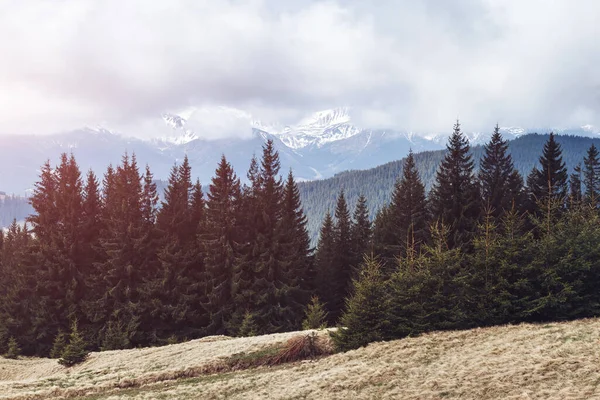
column 403, row 64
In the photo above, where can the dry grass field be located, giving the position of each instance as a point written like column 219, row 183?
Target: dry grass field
column 550, row 361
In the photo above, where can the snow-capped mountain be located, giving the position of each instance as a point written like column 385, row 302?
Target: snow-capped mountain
column 319, row 129
column 317, row 146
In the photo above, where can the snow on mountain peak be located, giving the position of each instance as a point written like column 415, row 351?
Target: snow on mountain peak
column 318, row 129
column 327, row 118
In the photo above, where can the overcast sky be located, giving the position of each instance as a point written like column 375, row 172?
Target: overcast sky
column 415, row 65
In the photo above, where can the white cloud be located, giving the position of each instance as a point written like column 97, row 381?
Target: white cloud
column 405, row 64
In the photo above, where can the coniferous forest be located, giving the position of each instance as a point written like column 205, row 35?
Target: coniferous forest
column 103, row 260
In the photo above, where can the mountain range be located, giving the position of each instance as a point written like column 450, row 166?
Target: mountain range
column 317, row 147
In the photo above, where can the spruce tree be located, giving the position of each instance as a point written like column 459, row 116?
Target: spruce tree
column 221, row 233
column 127, row 253
column 14, row 350
column 501, row 184
column 325, row 264
column 575, row 194
column 407, row 214
column 455, row 198
column 360, row 232
column 343, row 257
column 367, row 315
column 173, row 289
column 57, row 223
column 548, row 184
column 297, row 273
column 271, row 283
column 591, row 176
column 75, row 351
column 315, row 316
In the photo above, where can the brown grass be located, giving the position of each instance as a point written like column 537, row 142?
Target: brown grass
column 550, row 361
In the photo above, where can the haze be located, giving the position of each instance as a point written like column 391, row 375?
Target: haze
column 399, row 64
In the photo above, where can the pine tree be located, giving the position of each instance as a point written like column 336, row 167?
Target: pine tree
column 548, row 184
column 59, row 344
column 575, row 195
column 173, row 289
column 407, row 214
column 360, row 232
column 367, row 315
column 501, row 184
column 325, row 264
column 270, row 283
column 14, row 350
column 219, row 239
column 75, row 351
column 297, row 276
column 315, row 316
column 127, row 250
column 343, row 257
column 455, row 198
column 22, row 314
column 591, row 176
column 60, row 280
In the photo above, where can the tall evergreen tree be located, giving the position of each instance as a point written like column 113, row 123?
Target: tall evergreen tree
column 455, row 198
column 549, row 183
column 407, row 220
column 60, row 280
column 591, row 176
column 360, row 233
column 325, row 273
column 342, row 265
column 575, row 194
column 221, row 233
column 125, row 251
column 295, row 246
column 501, row 183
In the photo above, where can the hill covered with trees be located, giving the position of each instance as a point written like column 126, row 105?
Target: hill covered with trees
column 102, row 265
column 376, row 184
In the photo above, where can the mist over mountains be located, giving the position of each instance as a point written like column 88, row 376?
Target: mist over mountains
column 317, row 147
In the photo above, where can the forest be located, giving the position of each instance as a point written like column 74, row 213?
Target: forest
column 377, row 183
column 111, row 266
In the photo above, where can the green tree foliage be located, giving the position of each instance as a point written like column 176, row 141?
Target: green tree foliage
column 58, row 346
column 75, row 351
column 343, row 257
column 402, row 226
column 315, row 316
column 548, row 183
column 501, row 184
column 367, row 313
column 219, row 238
column 575, row 193
column 173, row 291
column 127, row 249
column 14, row 350
column 325, row 264
column 591, row 176
column 455, row 199
column 134, row 273
column 360, row 233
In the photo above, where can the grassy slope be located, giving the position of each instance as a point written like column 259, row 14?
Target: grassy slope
column 559, row 360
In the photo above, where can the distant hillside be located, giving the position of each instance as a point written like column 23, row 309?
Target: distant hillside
column 377, row 183
column 546, row 361
column 13, row 207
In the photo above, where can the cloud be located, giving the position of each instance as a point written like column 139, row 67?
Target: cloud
column 405, row 64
